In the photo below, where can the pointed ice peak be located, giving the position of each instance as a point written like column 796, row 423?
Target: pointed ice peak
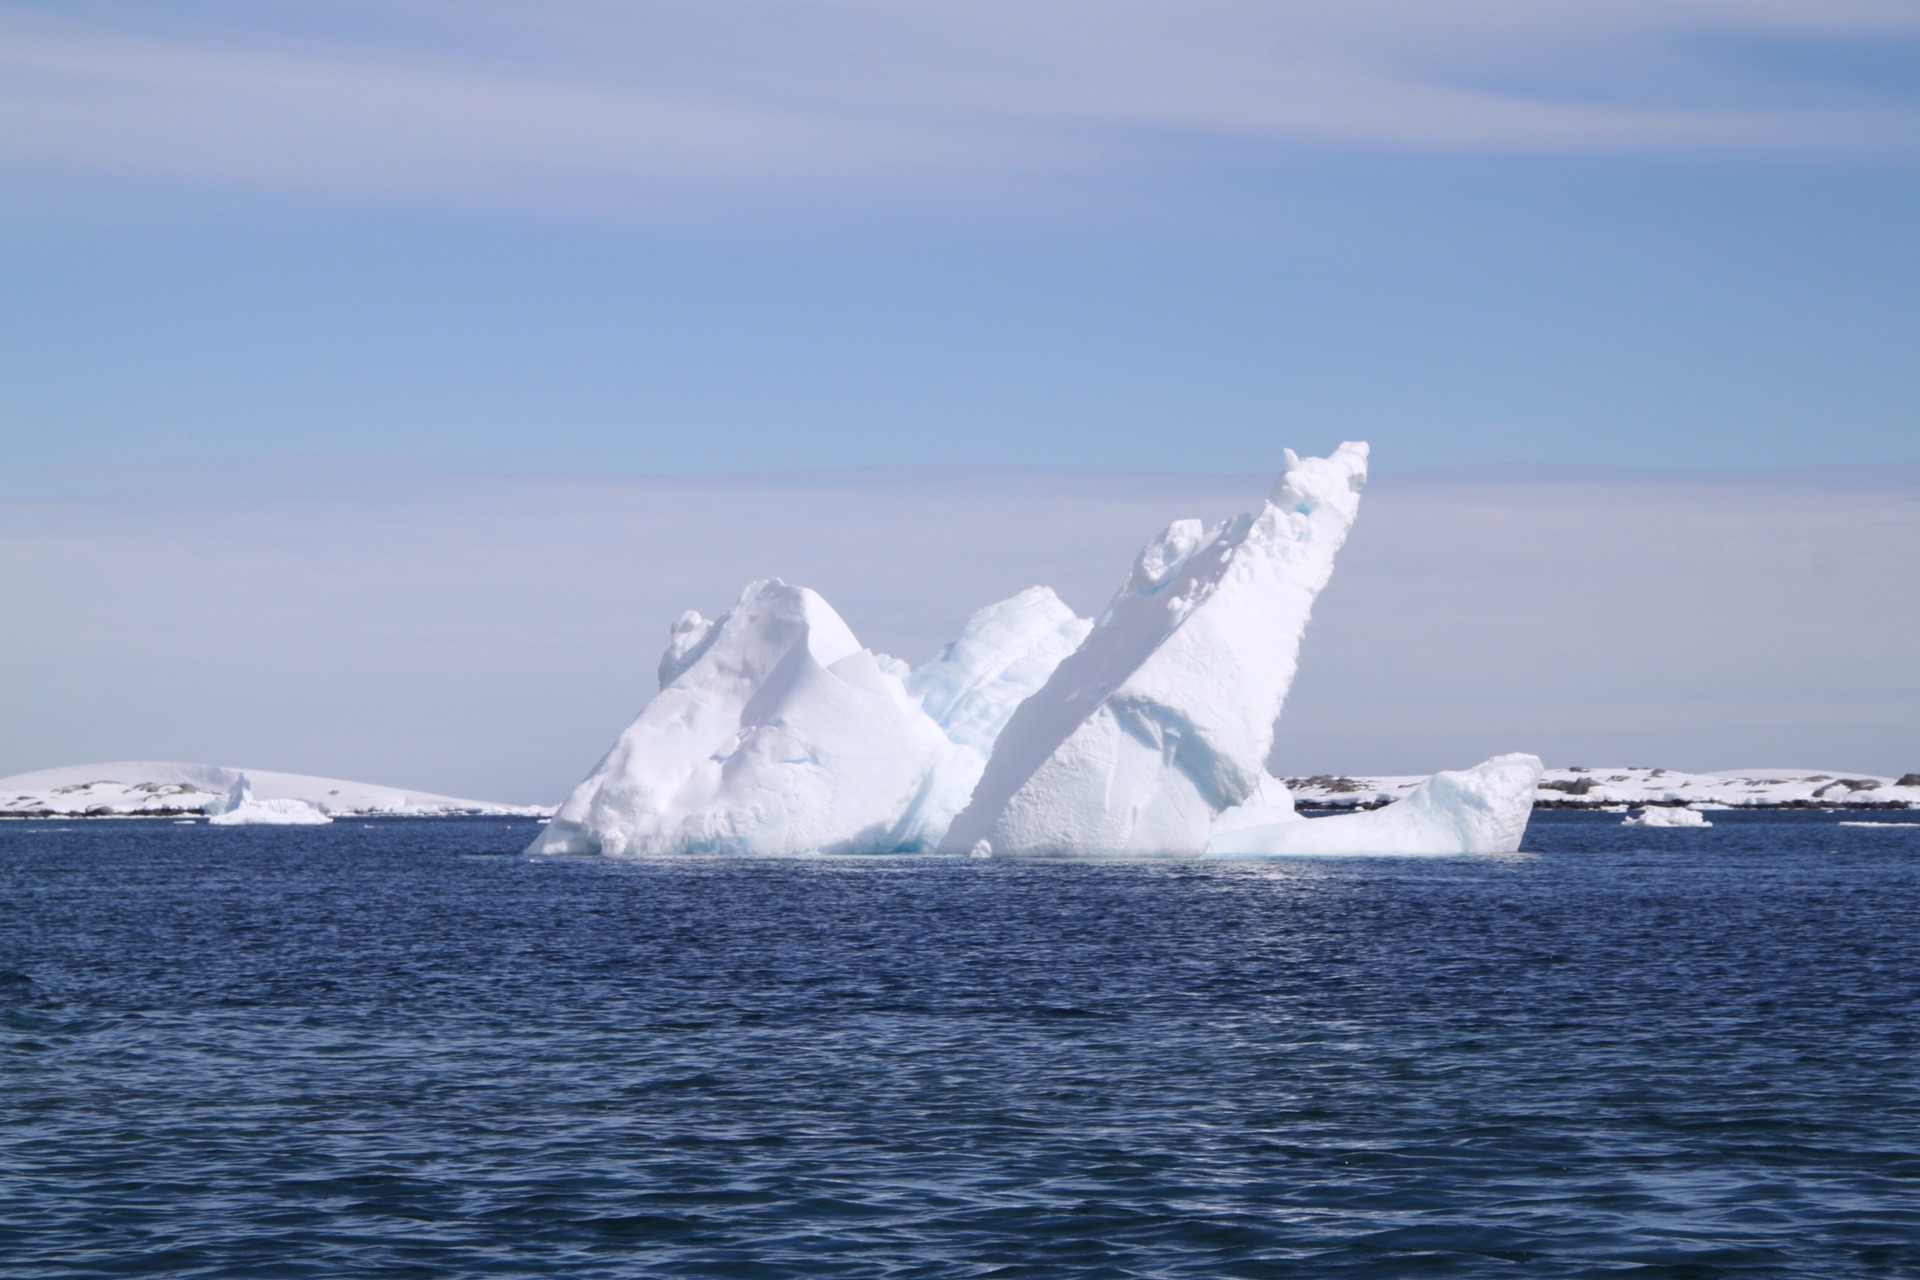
column 782, row 612
column 1305, row 483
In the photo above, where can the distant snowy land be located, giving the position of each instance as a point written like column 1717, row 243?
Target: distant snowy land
column 164, row 789
column 1597, row 788
column 169, row 789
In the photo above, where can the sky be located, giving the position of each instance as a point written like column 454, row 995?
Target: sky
column 270, row 272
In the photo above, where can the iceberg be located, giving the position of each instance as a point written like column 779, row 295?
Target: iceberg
column 1664, row 817
column 1479, row 810
column 1035, row 733
column 240, row 809
column 1165, row 715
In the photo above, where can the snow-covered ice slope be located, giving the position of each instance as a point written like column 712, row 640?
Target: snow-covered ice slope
column 1597, row 788
column 1005, row 652
column 1479, row 810
column 773, row 732
column 1164, row 716
column 171, row 788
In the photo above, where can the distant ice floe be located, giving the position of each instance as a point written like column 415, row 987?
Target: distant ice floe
column 1036, row 733
column 1666, row 818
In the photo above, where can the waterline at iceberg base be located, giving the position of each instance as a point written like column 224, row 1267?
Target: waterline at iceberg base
column 1037, row 733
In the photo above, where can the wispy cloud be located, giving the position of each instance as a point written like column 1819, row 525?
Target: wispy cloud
column 589, row 99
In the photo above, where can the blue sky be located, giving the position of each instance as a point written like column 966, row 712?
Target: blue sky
column 378, row 379
column 641, row 238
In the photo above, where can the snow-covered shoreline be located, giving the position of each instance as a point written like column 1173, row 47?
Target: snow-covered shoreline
column 1641, row 786
column 174, row 789
column 163, row 789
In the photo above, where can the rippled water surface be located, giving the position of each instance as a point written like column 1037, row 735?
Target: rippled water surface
column 404, row 1049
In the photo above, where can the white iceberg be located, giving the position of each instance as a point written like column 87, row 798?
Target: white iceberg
column 240, row 809
column 1479, row 810
column 1665, row 817
column 1165, row 715
column 1035, row 732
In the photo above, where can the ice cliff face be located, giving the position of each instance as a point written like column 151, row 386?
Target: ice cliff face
column 1165, row 715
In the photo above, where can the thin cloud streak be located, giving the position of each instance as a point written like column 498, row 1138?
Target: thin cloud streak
column 591, row 100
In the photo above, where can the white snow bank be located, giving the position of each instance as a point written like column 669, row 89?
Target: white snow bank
column 1479, row 810
column 132, row 788
column 1165, row 715
column 773, row 732
column 1665, row 818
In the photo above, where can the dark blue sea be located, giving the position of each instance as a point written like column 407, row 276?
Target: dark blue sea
column 402, row 1048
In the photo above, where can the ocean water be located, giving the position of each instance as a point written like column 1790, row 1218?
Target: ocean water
column 401, row 1048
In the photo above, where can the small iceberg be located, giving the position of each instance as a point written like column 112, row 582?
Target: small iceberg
column 1665, row 817
column 1479, row 810
column 240, row 809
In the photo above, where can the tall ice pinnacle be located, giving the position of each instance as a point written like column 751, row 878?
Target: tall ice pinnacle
column 1165, row 715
